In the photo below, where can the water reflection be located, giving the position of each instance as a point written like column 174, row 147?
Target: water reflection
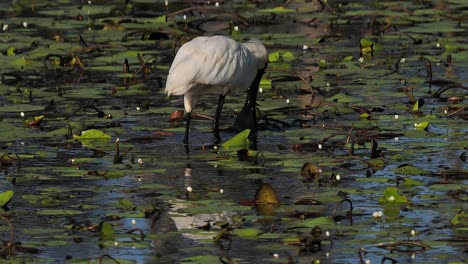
column 44, row 178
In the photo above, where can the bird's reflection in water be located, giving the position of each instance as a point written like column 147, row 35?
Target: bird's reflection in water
column 196, row 188
column 202, row 181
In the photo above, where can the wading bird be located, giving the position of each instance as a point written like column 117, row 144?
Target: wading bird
column 217, row 65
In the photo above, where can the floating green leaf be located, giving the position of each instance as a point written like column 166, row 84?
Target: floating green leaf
column 11, row 51
column 408, row 182
column 106, row 231
column 124, row 203
column 239, row 141
column 156, row 20
column 92, row 134
column 460, row 219
column 247, row 232
column 58, row 212
column 318, row 221
column 281, row 56
column 417, row 106
column 421, row 126
column 391, row 195
column 5, row 198
column 322, row 63
column 365, row 43
column 264, row 83
column 266, row 194
column 202, row 259
column 408, row 169
column 279, row 9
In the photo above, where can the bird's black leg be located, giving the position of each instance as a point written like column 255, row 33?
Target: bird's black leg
column 215, row 127
column 187, row 127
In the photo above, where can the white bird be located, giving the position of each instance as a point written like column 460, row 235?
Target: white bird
column 217, row 65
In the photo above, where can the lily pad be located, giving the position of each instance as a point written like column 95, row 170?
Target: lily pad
column 5, row 198
column 239, row 141
column 58, row 212
column 92, row 134
column 247, row 232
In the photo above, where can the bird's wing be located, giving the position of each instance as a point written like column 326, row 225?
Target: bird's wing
column 210, row 61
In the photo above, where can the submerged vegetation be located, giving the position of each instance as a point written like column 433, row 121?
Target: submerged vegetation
column 361, row 155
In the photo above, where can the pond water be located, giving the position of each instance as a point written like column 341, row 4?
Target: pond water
column 367, row 63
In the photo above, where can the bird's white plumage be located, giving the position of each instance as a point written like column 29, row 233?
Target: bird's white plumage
column 213, row 65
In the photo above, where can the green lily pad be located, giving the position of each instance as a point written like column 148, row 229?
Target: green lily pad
column 239, row 141
column 58, row 212
column 417, row 106
column 277, row 10
column 280, row 56
column 106, row 231
column 421, row 126
column 202, row 259
column 247, row 232
column 391, row 195
column 318, row 221
column 408, row 169
column 5, row 198
column 92, row 134
column 460, row 219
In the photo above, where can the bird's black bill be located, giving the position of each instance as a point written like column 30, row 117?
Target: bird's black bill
column 247, row 118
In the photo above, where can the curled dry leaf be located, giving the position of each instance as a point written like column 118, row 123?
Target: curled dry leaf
column 265, row 194
column 163, row 133
column 37, row 121
column 455, row 99
column 310, row 170
column 176, row 115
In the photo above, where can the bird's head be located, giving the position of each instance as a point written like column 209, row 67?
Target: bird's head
column 258, row 50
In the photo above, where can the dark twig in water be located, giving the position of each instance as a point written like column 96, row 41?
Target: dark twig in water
column 415, row 41
column 229, row 260
column 394, row 261
column 139, row 230
column 100, row 113
column 9, row 248
column 362, row 253
column 117, row 157
column 406, row 90
column 10, row 225
column 144, row 66
column 411, row 246
column 69, row 134
column 312, row 90
column 287, row 3
column 19, row 161
column 350, row 208
column 255, row 161
column 428, row 70
column 324, row 4
column 456, row 111
column 450, row 85
column 107, row 256
column 16, row 76
column 399, row 60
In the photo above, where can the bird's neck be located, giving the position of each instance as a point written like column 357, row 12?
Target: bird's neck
column 251, row 101
column 247, row 118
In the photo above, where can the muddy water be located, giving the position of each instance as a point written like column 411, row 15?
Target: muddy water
column 65, row 187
